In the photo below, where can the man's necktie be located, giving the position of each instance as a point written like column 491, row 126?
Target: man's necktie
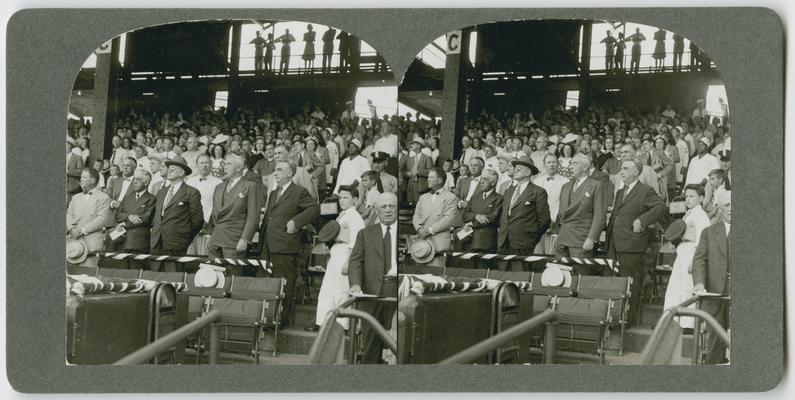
column 278, row 193
column 515, row 198
column 167, row 200
column 387, row 250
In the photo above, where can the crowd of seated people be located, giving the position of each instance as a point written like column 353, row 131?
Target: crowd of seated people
column 222, row 183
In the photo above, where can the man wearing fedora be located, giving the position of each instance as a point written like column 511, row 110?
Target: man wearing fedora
column 636, row 207
column 372, row 269
column 352, row 168
column 417, row 166
column 135, row 214
column 178, row 216
column 436, row 212
column 482, row 215
column 290, row 208
column 581, row 214
column 525, row 215
column 388, row 182
column 87, row 214
column 712, row 273
column 235, row 213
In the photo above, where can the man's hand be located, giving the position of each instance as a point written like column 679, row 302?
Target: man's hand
column 291, row 227
column 637, row 227
column 699, row 289
column 423, row 232
column 587, row 245
column 481, row 219
column 355, row 289
column 242, row 245
column 75, row 233
column 462, row 204
column 114, row 204
column 134, row 219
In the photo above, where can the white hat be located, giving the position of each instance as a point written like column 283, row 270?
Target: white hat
column 209, row 276
column 357, row 143
column 704, row 140
column 422, row 251
column 570, row 138
column 221, row 138
column 76, row 251
column 556, row 275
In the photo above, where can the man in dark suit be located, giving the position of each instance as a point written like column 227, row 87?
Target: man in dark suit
column 582, row 214
column 135, row 214
column 712, row 273
column 117, row 189
column 290, row 208
column 525, row 215
column 235, row 213
column 467, row 186
column 178, row 216
column 372, row 269
column 635, row 208
column 482, row 215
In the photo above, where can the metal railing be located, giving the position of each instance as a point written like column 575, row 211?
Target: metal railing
column 151, row 350
column 663, row 330
column 477, row 351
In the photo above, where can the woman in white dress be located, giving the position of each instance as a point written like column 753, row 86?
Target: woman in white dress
column 680, row 286
column 334, row 289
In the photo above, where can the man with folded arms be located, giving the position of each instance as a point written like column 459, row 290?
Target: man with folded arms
column 135, row 214
column 482, row 215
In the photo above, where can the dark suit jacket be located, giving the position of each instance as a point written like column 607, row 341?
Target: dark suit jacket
column 256, row 179
column 235, row 215
column 295, row 204
column 529, row 218
column 711, row 260
column 366, row 264
column 114, row 188
column 582, row 212
column 264, row 167
column 484, row 236
column 181, row 221
column 462, row 188
column 138, row 235
column 73, row 171
column 642, row 203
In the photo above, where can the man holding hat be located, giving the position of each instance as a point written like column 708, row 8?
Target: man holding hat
column 435, row 214
column 235, row 213
column 417, row 166
column 525, row 215
column 702, row 163
column 388, row 181
column 178, row 216
column 87, row 214
column 352, row 168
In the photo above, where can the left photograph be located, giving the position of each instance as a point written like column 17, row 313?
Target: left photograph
column 231, row 198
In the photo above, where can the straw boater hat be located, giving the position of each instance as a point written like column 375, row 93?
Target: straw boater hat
column 556, row 275
column 209, row 276
column 570, row 138
column 419, row 140
column 221, row 138
column 422, row 251
column 356, row 142
column 704, row 140
column 76, row 251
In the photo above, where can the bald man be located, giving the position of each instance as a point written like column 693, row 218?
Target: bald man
column 235, row 214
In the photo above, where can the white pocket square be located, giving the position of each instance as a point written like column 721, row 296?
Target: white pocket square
column 181, row 204
column 587, row 194
column 240, row 195
column 527, row 203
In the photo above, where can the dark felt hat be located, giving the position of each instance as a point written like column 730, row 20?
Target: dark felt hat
column 180, row 162
column 526, row 161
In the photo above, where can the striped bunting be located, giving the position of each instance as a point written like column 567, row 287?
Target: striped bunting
column 612, row 264
column 186, row 259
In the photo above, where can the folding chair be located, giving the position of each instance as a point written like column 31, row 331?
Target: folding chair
column 253, row 305
column 582, row 325
column 616, row 289
column 199, row 304
column 119, row 273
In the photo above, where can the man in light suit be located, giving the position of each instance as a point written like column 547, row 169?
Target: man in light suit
column 712, row 273
column 525, row 215
column 436, row 212
column 178, row 216
column 482, row 215
column 87, row 214
column 290, row 208
column 635, row 208
column 135, row 213
column 582, row 214
column 372, row 269
column 417, row 166
column 235, row 214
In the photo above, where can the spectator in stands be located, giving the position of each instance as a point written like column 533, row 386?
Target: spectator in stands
column 680, row 284
column 418, row 166
column 352, row 168
column 435, row 214
column 344, row 50
column 270, row 45
column 564, row 160
column 205, row 183
column 389, row 182
column 372, row 269
column 482, row 215
column 134, row 216
column 582, row 214
column 335, row 286
column 235, row 214
column 117, row 153
column 178, row 216
column 468, row 152
column 74, row 168
column 525, row 215
column 618, row 62
column 636, row 207
column 192, row 152
column 286, row 39
column 506, row 172
column 315, row 160
column 609, row 42
column 87, row 214
column 370, row 187
column 290, row 208
column 432, row 149
column 447, row 167
column 679, row 49
column 466, row 187
column 218, row 160
column 659, row 50
column 491, row 157
column 701, row 164
column 122, row 186
column 552, row 183
column 155, row 164
column 328, row 49
column 83, row 148
column 712, row 273
column 309, row 49
column 636, row 38
column 259, row 46
column 717, row 184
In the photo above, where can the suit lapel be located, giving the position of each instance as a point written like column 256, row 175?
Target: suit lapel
column 565, row 198
column 177, row 196
column 233, row 194
column 286, row 194
column 722, row 240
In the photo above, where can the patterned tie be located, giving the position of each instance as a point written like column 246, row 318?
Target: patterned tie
column 387, row 250
column 515, row 197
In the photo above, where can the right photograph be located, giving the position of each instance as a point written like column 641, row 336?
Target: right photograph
column 565, row 198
